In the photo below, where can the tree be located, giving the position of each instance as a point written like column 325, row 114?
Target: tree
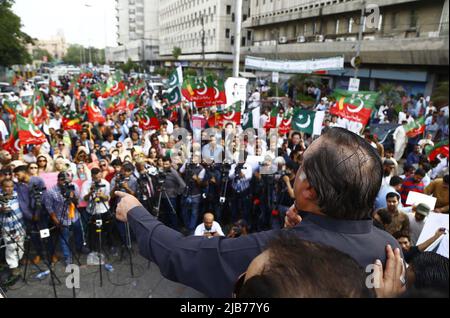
column 73, row 55
column 440, row 95
column 38, row 54
column 12, row 39
column 176, row 52
column 129, row 66
column 77, row 54
column 389, row 95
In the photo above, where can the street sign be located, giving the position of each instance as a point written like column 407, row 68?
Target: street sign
column 354, row 85
column 275, row 77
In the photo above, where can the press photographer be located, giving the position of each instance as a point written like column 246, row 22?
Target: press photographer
column 212, row 190
column 194, row 174
column 285, row 196
column 12, row 229
column 60, row 202
column 240, row 176
column 30, row 191
column 145, row 188
column 96, row 194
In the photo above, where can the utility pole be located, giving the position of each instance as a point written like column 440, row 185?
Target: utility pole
column 202, row 19
column 360, row 36
column 237, row 42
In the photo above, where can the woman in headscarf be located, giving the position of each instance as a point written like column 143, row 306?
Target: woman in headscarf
column 45, row 163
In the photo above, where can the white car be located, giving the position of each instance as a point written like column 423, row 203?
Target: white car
column 6, row 91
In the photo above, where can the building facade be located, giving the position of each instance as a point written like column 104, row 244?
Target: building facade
column 56, row 46
column 406, row 43
column 203, row 30
column 137, row 32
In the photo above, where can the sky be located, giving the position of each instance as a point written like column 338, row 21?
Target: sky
column 94, row 25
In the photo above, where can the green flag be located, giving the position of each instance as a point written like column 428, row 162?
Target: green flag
column 303, row 120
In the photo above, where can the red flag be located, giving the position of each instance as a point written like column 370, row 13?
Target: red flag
column 94, row 113
column 29, row 134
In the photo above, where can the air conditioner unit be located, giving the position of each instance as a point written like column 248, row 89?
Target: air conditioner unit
column 319, row 38
column 283, row 40
column 340, row 39
column 369, row 38
column 329, row 40
column 352, row 39
column 301, row 39
column 433, row 34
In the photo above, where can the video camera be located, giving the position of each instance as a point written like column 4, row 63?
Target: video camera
column 66, row 189
column 36, row 194
column 120, row 181
column 4, row 200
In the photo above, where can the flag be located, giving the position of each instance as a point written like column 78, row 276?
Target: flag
column 173, row 96
column 71, row 120
column 12, row 145
column 272, row 120
column 232, row 114
column 131, row 102
column 354, row 106
column 109, row 105
column 204, row 92
column 37, row 110
column 138, row 89
column 415, row 128
column 252, row 119
column 286, row 123
column 303, row 120
column 439, row 148
column 29, row 134
column 12, row 107
column 176, row 78
column 148, row 120
column 93, row 112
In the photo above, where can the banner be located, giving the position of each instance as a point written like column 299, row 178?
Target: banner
column 305, row 66
column 236, row 90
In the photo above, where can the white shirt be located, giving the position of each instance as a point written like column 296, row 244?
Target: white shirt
column 215, row 228
column 3, row 130
column 101, row 207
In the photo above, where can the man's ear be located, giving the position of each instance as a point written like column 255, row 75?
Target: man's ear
column 310, row 193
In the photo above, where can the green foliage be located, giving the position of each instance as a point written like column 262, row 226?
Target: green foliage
column 440, row 94
column 163, row 71
column 38, row 54
column 129, row 66
column 389, row 95
column 77, row 54
column 12, row 39
column 176, row 52
column 189, row 72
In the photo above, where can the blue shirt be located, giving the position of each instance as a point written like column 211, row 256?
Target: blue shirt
column 26, row 198
column 380, row 201
column 12, row 222
column 55, row 203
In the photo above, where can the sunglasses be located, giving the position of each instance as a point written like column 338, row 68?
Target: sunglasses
column 33, row 168
column 238, row 285
column 103, row 165
column 42, row 160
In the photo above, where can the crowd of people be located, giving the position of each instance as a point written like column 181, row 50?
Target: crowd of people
column 221, row 190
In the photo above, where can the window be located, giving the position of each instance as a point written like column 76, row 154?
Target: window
column 228, row 10
column 413, row 19
column 394, row 21
column 350, row 25
column 227, row 33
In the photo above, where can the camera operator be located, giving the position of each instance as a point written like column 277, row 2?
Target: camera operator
column 30, row 191
column 59, row 202
column 211, row 191
column 169, row 181
column 145, row 189
column 96, row 194
column 194, row 174
column 12, row 228
column 240, row 177
column 240, row 228
column 126, row 182
column 284, row 194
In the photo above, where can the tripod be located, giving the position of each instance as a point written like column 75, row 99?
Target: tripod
column 20, row 248
column 157, row 209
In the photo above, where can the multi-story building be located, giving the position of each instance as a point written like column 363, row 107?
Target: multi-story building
column 137, row 31
column 407, row 43
column 56, row 45
column 203, row 30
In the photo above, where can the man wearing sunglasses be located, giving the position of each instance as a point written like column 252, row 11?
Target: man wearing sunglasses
column 335, row 190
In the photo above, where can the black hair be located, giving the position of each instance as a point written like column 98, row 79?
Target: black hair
column 431, row 271
column 400, row 234
column 302, row 269
column 420, row 172
column 21, row 169
column 116, row 162
column 95, row 171
column 167, row 158
column 392, row 195
column 385, row 216
column 344, row 165
column 395, row 181
column 128, row 166
column 446, row 179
